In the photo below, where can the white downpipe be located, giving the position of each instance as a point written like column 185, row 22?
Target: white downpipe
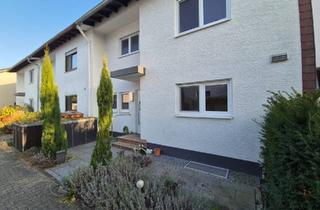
column 89, row 67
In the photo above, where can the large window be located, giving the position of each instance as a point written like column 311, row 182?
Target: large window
column 207, row 99
column 130, row 44
column 71, row 60
column 31, row 76
column 194, row 14
column 72, row 103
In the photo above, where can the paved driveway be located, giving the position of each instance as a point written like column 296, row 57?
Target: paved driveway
column 22, row 187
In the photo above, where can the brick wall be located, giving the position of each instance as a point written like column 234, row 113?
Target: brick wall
column 309, row 77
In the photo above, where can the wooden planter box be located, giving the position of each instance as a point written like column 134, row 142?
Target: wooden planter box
column 79, row 131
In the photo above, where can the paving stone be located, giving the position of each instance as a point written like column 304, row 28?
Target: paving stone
column 23, row 187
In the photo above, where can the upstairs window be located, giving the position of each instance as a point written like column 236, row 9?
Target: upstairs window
column 71, row 103
column 199, row 13
column 31, row 75
column 71, row 60
column 130, row 44
column 188, row 14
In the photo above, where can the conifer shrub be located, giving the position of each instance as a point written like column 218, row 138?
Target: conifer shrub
column 291, row 151
column 54, row 137
column 102, row 153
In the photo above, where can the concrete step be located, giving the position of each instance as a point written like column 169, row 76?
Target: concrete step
column 132, row 139
column 124, row 145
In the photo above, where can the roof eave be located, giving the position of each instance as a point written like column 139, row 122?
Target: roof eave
column 102, row 10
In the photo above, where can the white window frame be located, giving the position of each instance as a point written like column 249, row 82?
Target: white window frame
column 31, row 79
column 124, row 110
column 129, row 43
column 202, row 113
column 201, row 18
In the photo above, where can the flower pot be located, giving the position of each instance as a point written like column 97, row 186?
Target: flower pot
column 61, row 156
column 157, row 152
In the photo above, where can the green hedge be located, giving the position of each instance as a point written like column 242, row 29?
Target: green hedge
column 291, row 151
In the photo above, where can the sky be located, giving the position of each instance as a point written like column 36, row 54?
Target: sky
column 26, row 24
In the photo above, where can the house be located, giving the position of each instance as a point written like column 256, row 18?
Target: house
column 189, row 76
column 7, row 88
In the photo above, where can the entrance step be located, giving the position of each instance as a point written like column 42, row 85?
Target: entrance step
column 132, row 139
column 129, row 142
column 124, row 146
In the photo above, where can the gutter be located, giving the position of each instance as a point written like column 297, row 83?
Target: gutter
column 89, row 66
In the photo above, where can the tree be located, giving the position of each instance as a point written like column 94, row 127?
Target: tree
column 102, row 153
column 54, row 137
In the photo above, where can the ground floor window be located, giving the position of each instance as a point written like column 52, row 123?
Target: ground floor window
column 114, row 105
column 71, row 103
column 125, row 99
column 31, row 103
column 205, row 99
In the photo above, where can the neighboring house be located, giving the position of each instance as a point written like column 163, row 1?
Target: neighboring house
column 7, row 88
column 190, row 76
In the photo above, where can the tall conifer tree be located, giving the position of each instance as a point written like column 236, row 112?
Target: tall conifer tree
column 53, row 134
column 102, row 152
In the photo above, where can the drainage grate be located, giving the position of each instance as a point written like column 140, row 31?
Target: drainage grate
column 212, row 170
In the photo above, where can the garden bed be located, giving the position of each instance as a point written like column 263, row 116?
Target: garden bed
column 79, row 131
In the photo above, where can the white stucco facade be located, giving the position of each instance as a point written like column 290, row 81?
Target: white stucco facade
column 238, row 50
column 69, row 83
column 106, row 43
column 73, row 82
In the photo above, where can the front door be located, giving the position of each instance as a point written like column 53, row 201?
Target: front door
column 138, row 111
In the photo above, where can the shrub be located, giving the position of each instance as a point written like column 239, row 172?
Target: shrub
column 114, row 187
column 54, row 137
column 30, row 117
column 16, row 114
column 291, row 151
column 102, row 152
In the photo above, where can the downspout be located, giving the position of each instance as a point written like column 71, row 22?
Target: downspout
column 89, row 67
column 38, row 81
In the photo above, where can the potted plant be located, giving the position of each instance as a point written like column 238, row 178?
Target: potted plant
column 61, row 156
